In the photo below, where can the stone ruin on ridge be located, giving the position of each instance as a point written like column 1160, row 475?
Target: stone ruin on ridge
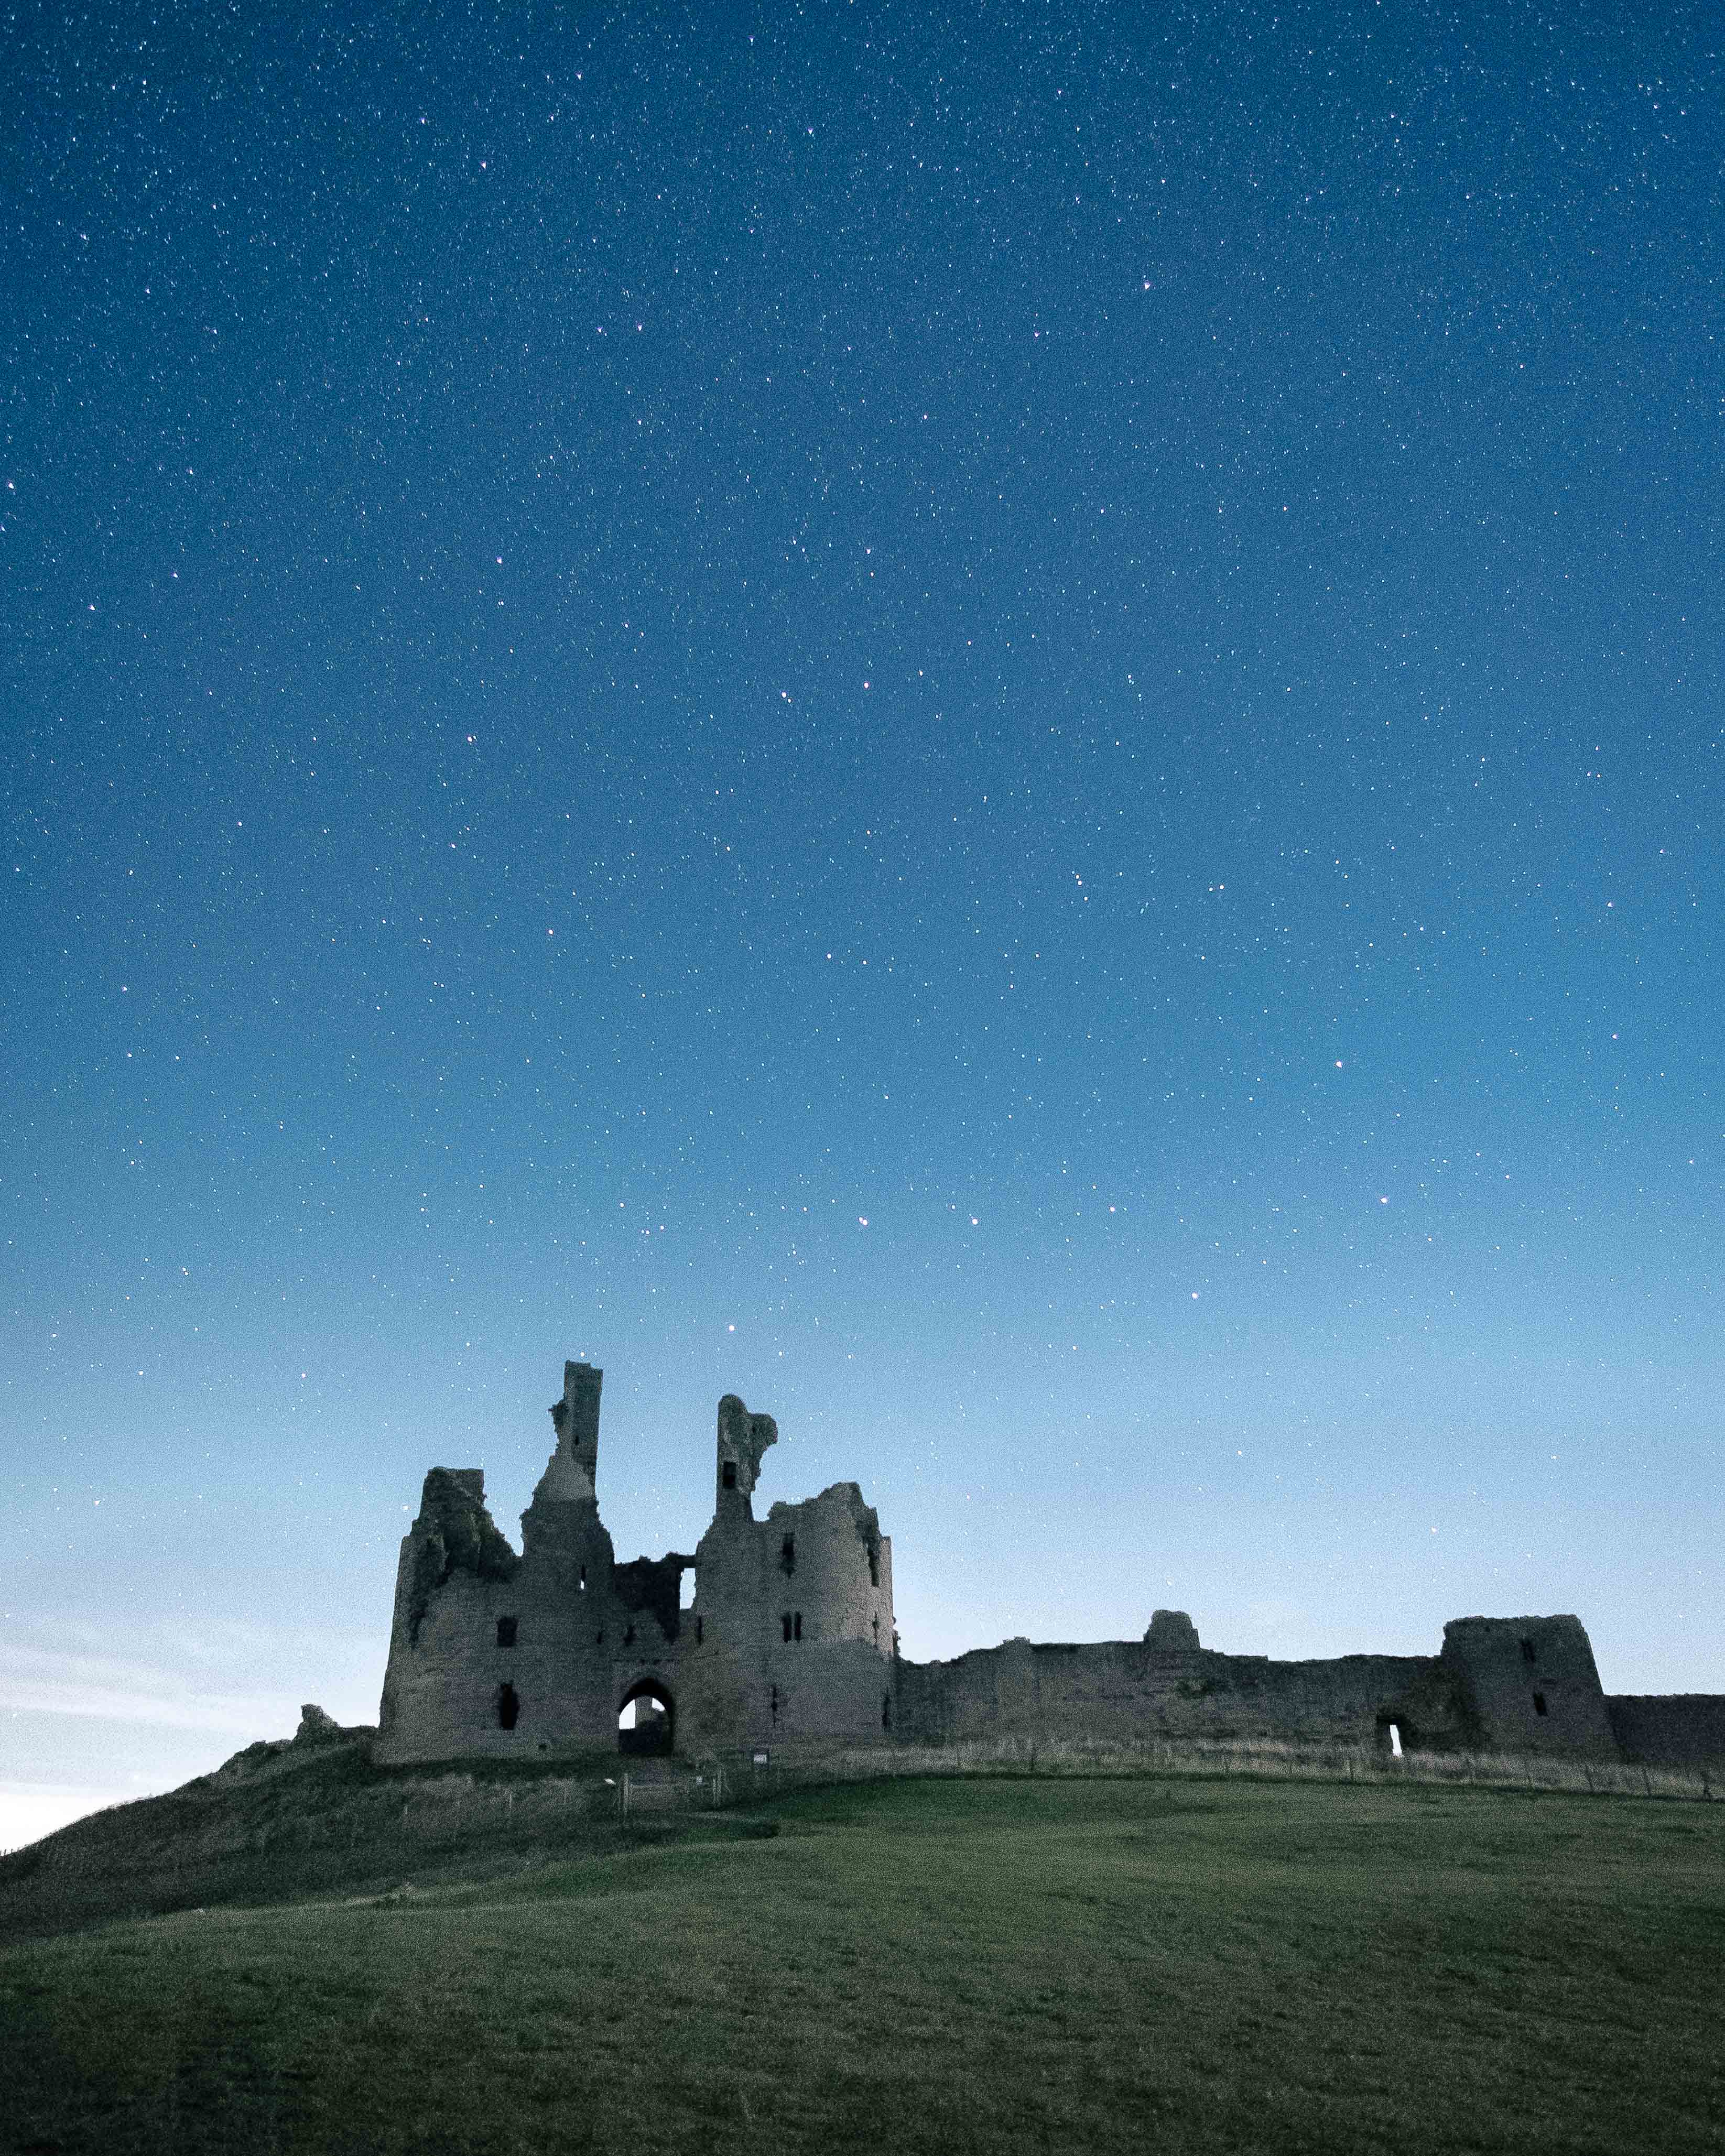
column 789, row 1642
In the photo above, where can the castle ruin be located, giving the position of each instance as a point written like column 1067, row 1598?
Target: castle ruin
column 788, row 1633
column 788, row 1640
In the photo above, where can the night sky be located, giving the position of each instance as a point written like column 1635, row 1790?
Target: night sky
column 1001, row 725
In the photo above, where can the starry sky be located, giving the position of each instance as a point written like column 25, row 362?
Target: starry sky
column 1001, row 724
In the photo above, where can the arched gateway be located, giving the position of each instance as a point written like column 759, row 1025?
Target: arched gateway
column 646, row 1719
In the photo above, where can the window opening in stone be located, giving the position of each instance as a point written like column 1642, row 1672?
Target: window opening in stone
column 786, row 1622
column 1396, row 1741
column 874, row 1564
column 700, row 1630
column 1527, row 1650
column 797, row 1625
column 685, row 1588
column 645, row 1720
column 727, row 1475
column 628, row 1637
column 1539, row 1706
column 506, row 1631
column 875, row 1621
column 775, row 1706
column 509, row 1706
column 788, row 1555
column 600, row 1641
column 887, row 1709
column 582, row 1584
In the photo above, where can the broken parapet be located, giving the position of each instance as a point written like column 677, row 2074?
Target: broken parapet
column 743, row 1439
column 1171, row 1632
column 454, row 1533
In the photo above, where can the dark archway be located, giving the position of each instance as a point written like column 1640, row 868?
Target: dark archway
column 650, row 1730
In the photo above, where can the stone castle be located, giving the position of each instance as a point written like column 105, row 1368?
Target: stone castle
column 788, row 1642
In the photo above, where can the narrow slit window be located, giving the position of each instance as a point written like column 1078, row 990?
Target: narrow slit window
column 1396, row 1741
column 727, row 1475
column 797, row 1625
column 788, row 1555
column 506, row 1631
column 887, row 1709
column 1527, row 1650
column 785, row 1621
column 775, row 1706
column 700, row 1630
column 509, row 1706
column 628, row 1637
column 1539, row 1705
column 582, row 1587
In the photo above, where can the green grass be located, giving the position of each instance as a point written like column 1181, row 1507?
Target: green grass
column 946, row 1965
column 319, row 1822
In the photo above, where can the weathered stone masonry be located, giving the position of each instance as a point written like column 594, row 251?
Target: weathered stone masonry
column 789, row 1642
column 790, row 1637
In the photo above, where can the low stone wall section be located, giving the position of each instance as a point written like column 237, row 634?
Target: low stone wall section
column 1674, row 1729
column 1126, row 1690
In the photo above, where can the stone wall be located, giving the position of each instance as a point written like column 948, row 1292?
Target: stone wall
column 1127, row 1690
column 1678, row 1729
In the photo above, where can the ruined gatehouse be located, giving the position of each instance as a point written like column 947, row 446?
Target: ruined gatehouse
column 787, row 1639
column 789, row 1631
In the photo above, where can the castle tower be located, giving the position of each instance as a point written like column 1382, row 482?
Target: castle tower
column 742, row 1437
column 573, row 1472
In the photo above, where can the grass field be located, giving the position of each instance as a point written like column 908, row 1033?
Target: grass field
column 944, row 1965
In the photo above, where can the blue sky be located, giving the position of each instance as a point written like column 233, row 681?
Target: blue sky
column 1001, row 726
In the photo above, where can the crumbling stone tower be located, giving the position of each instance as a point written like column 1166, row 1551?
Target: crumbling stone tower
column 789, row 1636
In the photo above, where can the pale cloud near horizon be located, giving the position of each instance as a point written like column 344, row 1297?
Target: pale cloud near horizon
column 38, row 1681
column 221, row 1677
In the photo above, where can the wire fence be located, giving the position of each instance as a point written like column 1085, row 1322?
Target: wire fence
column 702, row 1789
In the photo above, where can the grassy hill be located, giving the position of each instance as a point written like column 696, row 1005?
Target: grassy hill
column 280, row 1822
column 952, row 1965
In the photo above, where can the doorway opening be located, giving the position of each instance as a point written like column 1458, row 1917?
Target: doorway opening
column 646, row 1721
